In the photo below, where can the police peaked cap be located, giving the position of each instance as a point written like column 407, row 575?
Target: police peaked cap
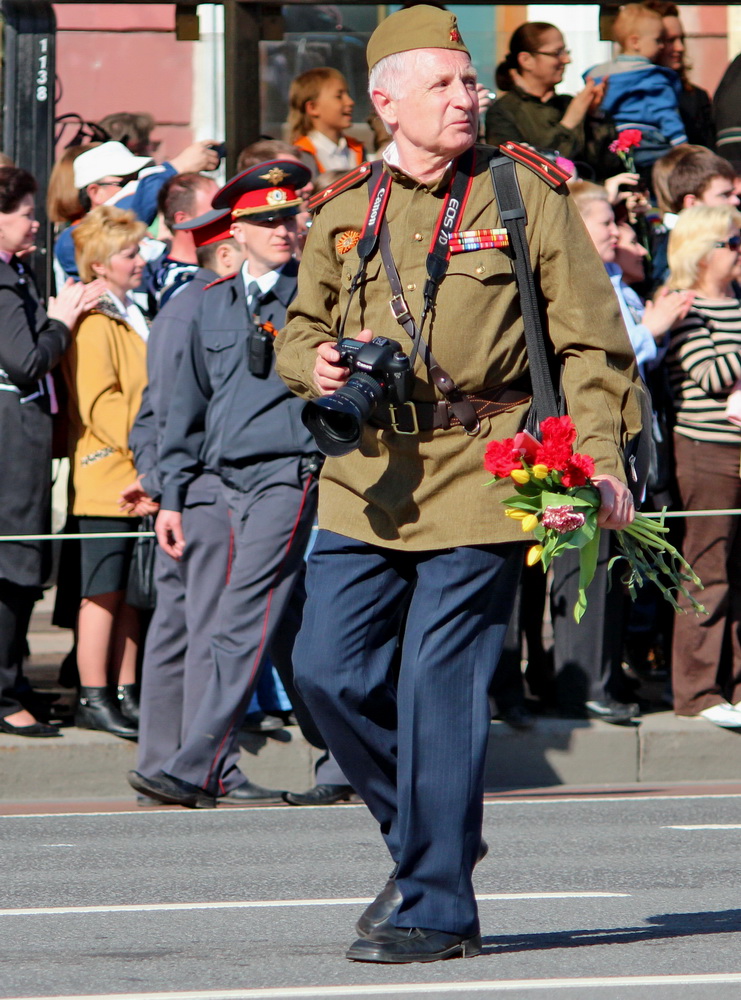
column 264, row 191
column 211, row 227
column 419, row 27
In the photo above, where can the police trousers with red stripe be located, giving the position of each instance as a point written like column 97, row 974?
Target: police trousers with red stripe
column 272, row 507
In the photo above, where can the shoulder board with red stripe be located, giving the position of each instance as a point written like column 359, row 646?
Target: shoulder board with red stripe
column 227, row 277
column 346, row 182
column 546, row 169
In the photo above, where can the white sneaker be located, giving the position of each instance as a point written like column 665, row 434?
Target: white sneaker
column 724, row 715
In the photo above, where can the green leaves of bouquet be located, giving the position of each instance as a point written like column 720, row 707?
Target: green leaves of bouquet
column 558, row 502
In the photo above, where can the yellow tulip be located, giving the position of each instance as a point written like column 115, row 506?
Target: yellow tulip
column 516, row 515
column 520, row 476
column 530, row 522
column 534, row 554
column 540, row 471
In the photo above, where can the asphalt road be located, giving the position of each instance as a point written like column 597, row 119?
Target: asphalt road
column 604, row 896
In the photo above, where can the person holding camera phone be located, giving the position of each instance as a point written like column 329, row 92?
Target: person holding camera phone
column 267, row 461
column 415, row 566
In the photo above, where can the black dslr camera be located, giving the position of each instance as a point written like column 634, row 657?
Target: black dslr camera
column 378, row 370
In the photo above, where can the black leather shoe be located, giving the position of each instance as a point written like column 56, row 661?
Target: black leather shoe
column 98, row 709
column 376, row 916
column 172, row 791
column 248, row 792
column 412, row 944
column 616, row 712
column 319, row 795
column 35, row 729
column 127, row 696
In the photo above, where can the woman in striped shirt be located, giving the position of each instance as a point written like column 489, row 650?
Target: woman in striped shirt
column 704, row 362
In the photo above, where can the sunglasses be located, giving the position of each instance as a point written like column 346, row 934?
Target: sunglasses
column 733, row 243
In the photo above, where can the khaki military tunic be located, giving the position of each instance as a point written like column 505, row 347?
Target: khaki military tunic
column 426, row 491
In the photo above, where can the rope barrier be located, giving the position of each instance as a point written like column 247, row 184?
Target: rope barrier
column 733, row 511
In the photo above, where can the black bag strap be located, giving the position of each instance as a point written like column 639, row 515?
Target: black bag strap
column 513, row 215
column 545, row 398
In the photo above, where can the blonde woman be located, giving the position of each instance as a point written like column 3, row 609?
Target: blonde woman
column 106, row 373
column 704, row 362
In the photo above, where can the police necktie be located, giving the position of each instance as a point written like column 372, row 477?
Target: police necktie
column 254, row 298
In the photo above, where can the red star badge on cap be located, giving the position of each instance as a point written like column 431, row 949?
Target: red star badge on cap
column 455, row 35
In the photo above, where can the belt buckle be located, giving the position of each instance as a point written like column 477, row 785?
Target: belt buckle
column 400, row 309
column 415, row 422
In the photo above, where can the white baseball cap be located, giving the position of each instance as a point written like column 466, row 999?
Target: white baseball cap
column 109, row 159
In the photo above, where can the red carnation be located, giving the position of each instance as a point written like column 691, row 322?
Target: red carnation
column 558, row 430
column 627, row 139
column 578, row 469
column 501, row 458
column 553, row 454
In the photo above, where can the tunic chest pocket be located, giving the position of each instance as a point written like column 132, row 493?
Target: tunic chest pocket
column 488, row 266
column 220, row 348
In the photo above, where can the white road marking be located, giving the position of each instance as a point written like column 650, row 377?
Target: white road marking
column 705, row 826
column 587, row 798
column 407, row 989
column 259, row 904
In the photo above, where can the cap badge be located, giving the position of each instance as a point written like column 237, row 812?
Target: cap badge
column 455, row 35
column 276, row 197
column 346, row 241
column 274, row 176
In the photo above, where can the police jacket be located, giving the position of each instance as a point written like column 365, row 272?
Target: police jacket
column 167, row 341
column 249, row 419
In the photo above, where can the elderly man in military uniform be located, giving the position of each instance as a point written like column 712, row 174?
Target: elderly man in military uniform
column 407, row 532
column 267, row 463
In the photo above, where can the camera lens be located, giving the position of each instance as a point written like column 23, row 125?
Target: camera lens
column 336, row 421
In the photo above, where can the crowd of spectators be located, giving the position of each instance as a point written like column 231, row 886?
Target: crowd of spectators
column 665, row 224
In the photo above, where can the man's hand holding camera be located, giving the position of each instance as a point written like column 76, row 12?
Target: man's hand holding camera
column 328, row 378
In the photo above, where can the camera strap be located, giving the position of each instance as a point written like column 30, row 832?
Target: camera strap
column 376, row 233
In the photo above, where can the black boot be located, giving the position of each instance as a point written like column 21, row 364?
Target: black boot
column 128, row 702
column 97, row 709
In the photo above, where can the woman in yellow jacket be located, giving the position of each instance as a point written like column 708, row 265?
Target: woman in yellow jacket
column 105, row 369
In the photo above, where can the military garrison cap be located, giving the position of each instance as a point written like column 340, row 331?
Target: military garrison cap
column 264, row 191
column 418, row 27
column 211, row 227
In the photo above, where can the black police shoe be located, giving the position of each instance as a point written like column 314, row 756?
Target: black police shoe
column 322, row 795
column 250, row 793
column 412, row 944
column 375, row 917
column 172, row 791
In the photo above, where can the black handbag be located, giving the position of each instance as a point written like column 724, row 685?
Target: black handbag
column 547, row 398
column 141, row 590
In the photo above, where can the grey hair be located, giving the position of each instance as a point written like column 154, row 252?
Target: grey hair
column 391, row 74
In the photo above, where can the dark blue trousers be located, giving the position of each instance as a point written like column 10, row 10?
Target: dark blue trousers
column 394, row 659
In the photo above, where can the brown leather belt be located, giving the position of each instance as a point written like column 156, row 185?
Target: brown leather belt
column 414, row 417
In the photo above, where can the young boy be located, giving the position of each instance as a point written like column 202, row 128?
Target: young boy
column 688, row 175
column 641, row 95
column 320, row 109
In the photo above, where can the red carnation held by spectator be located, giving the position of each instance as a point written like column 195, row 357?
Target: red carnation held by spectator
column 627, row 140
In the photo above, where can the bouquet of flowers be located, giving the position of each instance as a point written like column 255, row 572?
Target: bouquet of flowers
column 557, row 501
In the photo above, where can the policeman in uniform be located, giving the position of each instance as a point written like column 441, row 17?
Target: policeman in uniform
column 267, row 464
column 406, row 526
column 177, row 659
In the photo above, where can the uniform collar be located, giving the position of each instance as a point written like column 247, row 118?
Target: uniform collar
column 390, row 157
